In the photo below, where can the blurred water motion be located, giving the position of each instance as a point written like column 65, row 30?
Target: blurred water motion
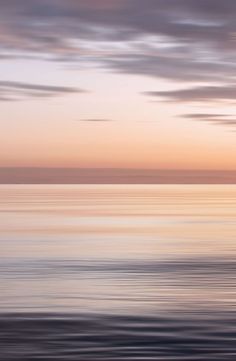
column 118, row 272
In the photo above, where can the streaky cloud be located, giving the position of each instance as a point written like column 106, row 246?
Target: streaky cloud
column 12, row 90
column 215, row 119
column 186, row 40
column 203, row 115
column 203, row 93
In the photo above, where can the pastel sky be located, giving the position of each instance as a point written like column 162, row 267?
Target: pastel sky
column 118, row 84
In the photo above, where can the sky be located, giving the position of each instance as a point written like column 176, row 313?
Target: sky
column 118, row 84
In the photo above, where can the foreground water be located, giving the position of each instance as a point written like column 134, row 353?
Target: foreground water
column 117, row 272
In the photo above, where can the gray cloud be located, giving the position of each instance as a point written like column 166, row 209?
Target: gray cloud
column 187, row 41
column 206, row 19
column 215, row 119
column 198, row 94
column 203, row 115
column 177, row 39
column 172, row 64
column 10, row 90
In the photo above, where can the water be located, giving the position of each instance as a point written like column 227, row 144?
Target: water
column 117, row 272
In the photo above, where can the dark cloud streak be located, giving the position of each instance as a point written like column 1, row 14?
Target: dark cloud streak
column 11, row 90
column 203, row 115
column 215, row 119
column 198, row 94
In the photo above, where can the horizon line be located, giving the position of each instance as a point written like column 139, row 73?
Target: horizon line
column 65, row 175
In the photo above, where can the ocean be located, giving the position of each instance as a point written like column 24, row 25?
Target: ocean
column 117, row 272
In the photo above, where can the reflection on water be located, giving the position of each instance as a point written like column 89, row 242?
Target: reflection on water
column 117, row 272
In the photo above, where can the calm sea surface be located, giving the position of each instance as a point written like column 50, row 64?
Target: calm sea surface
column 108, row 272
